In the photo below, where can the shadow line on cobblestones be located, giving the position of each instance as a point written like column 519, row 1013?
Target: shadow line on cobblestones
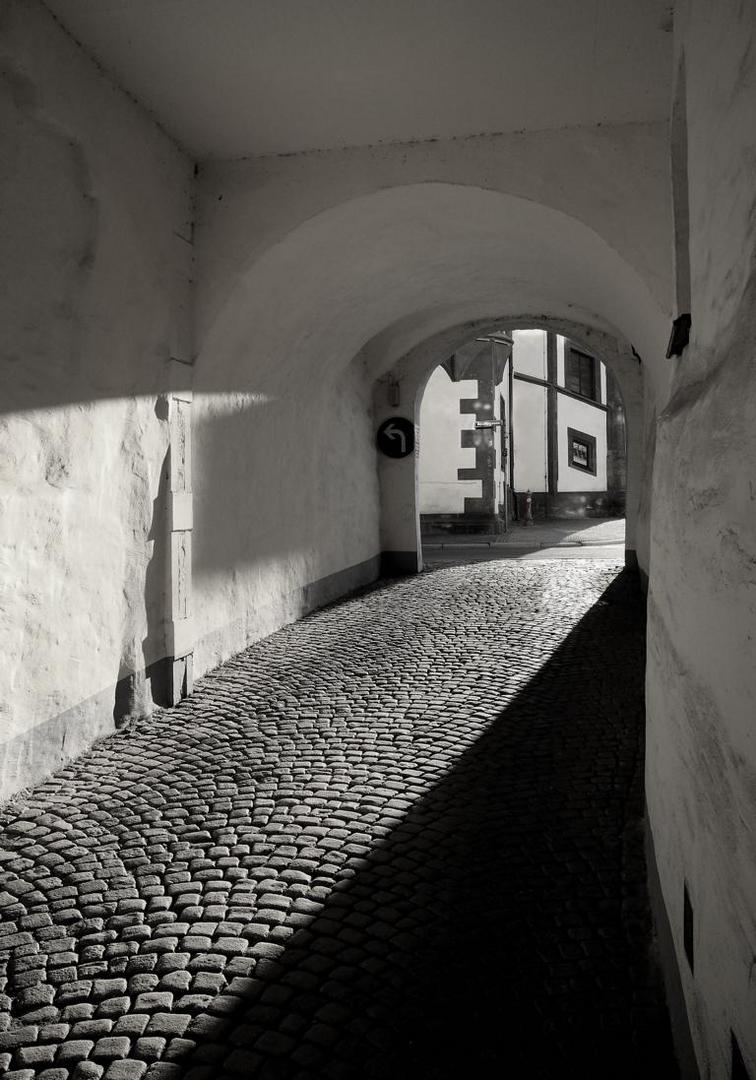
column 502, row 926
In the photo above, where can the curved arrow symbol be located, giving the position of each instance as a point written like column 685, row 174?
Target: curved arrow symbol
column 392, row 432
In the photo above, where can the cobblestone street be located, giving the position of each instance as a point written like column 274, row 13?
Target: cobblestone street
column 402, row 837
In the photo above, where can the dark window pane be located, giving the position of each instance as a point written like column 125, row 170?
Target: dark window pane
column 580, row 374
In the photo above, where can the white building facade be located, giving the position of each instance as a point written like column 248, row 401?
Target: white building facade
column 531, row 413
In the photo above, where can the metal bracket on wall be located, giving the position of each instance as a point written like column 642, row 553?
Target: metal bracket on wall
column 680, row 336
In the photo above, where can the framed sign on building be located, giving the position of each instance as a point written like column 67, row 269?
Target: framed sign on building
column 581, row 451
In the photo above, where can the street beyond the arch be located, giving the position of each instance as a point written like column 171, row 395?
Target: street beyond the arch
column 402, row 837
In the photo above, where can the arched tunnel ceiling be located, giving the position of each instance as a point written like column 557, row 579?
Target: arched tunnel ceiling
column 431, row 348
column 402, row 264
column 250, row 77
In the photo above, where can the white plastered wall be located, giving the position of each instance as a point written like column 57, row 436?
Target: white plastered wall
column 588, row 420
column 529, row 352
column 701, row 676
column 96, row 265
column 285, row 496
column 440, row 453
column 530, row 438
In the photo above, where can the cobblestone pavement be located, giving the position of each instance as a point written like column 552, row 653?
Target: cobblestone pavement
column 399, row 838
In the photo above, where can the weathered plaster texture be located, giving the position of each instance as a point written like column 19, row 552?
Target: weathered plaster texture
column 286, row 494
column 95, row 204
column 701, row 762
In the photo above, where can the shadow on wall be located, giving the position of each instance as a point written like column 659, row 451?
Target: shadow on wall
column 282, row 477
column 143, row 681
column 50, row 243
column 503, row 922
column 247, row 453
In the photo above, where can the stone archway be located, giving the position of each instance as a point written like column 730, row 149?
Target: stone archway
column 285, row 371
column 400, row 517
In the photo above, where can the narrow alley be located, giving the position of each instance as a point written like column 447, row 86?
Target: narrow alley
column 402, row 837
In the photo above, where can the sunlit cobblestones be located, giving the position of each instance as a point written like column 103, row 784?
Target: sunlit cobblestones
column 401, row 837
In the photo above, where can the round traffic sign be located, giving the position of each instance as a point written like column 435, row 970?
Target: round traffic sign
column 396, row 437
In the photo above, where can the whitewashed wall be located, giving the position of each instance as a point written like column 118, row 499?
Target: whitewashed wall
column 441, row 455
column 530, row 446
column 590, row 421
column 529, row 353
column 701, row 676
column 96, row 264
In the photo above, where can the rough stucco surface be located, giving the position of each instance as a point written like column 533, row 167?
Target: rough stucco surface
column 701, row 680
column 95, row 275
column 286, row 494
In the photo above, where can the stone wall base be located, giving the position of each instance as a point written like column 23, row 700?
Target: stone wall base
column 399, row 563
column 567, row 505
column 440, row 524
column 667, row 957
